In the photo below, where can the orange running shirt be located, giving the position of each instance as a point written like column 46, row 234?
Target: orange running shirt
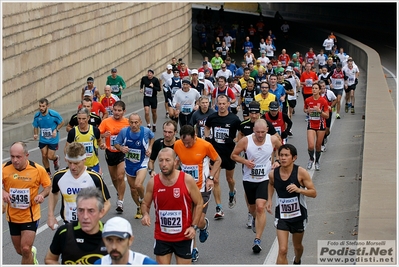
column 23, row 186
column 195, row 160
column 114, row 127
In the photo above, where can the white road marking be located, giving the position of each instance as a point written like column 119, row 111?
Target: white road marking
column 393, row 75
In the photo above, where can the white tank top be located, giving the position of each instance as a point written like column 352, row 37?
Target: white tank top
column 248, row 59
column 262, row 155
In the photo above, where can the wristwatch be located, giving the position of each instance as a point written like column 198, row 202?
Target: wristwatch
column 211, row 178
column 195, row 227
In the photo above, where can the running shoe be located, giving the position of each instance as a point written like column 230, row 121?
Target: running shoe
column 293, row 261
column 334, row 109
column 352, row 110
column 310, row 164
column 293, row 111
column 232, row 199
column 56, row 163
column 138, row 215
column 325, row 140
column 249, row 221
column 290, row 133
column 323, row 149
column 253, row 225
column 256, row 248
column 154, row 128
column 167, row 115
column 34, row 255
column 219, row 213
column 346, row 108
column 203, row 233
column 119, row 206
column 194, row 255
column 338, row 117
column 317, row 166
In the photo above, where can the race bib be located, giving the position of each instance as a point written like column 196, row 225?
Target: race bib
column 71, row 212
column 247, row 101
column 308, row 82
column 259, row 171
column 20, row 198
column 193, row 170
column 109, row 110
column 337, row 83
column 134, row 155
column 289, row 208
column 115, row 88
column 220, row 134
column 351, row 80
column 46, row 133
column 186, row 108
column 202, row 131
column 170, row 221
column 283, row 63
column 314, row 115
column 278, row 129
column 112, row 139
column 310, row 60
column 148, row 91
column 89, row 148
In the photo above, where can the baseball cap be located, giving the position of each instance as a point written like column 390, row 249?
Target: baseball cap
column 88, row 93
column 117, row 226
column 289, row 68
column 254, row 107
column 280, row 73
column 262, row 51
column 169, row 67
column 186, row 81
column 90, row 79
column 204, row 63
column 294, row 55
column 273, row 105
column 207, row 71
column 201, row 76
column 150, row 70
column 194, row 71
column 114, row 70
column 258, row 61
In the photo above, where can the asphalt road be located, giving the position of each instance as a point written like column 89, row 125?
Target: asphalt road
column 332, row 215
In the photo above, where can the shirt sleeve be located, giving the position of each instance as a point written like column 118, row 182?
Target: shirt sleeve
column 121, row 136
column 71, row 135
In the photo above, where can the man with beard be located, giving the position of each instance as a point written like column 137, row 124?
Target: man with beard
column 178, row 199
column 118, row 237
column 49, row 122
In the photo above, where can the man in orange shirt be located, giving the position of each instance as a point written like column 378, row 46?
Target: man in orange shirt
column 22, row 179
column 109, row 129
column 195, row 154
column 308, row 77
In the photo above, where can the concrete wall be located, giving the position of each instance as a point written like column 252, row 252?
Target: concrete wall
column 49, row 49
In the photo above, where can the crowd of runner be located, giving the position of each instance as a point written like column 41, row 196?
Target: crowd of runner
column 219, row 114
